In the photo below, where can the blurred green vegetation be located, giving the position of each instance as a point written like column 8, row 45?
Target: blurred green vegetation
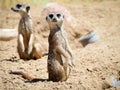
column 70, row 1
column 5, row 4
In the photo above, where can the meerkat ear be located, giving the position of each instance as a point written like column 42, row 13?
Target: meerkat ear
column 63, row 16
column 27, row 8
column 46, row 18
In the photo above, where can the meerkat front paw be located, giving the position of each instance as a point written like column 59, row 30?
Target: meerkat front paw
column 71, row 63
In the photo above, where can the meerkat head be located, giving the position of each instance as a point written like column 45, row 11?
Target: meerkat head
column 21, row 8
column 55, row 19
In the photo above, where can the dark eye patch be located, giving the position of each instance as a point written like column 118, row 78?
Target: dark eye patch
column 58, row 15
column 51, row 16
column 18, row 5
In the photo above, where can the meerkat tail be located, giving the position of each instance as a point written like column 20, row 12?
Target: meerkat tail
column 44, row 54
column 24, row 75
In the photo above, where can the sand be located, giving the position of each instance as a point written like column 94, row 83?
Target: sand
column 94, row 64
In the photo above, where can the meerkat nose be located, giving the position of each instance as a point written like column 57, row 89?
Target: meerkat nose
column 54, row 19
column 11, row 8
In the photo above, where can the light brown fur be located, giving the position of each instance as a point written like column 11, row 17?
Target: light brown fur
column 24, row 75
column 27, row 47
column 60, row 54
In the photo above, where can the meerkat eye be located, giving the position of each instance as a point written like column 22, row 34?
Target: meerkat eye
column 18, row 5
column 28, row 8
column 51, row 16
column 58, row 15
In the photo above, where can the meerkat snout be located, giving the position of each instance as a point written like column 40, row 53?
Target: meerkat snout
column 21, row 8
column 55, row 20
column 55, row 17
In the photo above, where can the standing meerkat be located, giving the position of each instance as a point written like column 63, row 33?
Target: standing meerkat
column 27, row 47
column 60, row 55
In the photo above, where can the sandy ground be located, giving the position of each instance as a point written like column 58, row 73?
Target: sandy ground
column 94, row 64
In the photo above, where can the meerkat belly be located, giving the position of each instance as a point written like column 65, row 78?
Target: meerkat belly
column 59, row 40
column 25, row 29
column 55, row 65
column 56, row 71
column 26, row 38
column 53, row 43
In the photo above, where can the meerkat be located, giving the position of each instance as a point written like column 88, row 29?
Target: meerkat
column 60, row 55
column 27, row 46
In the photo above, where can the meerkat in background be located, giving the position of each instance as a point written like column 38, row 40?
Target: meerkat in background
column 27, row 47
column 60, row 54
